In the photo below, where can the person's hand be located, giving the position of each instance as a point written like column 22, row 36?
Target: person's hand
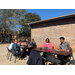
column 67, row 50
column 56, row 49
column 21, row 46
column 40, row 48
column 21, row 50
column 28, row 44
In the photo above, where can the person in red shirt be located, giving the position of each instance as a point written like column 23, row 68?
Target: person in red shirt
column 19, row 42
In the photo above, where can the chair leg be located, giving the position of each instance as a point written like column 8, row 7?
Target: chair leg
column 10, row 57
column 7, row 56
column 72, row 57
column 15, row 60
column 46, row 62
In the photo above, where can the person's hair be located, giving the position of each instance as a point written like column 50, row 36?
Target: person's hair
column 19, row 39
column 47, row 39
column 32, row 39
column 26, row 39
column 62, row 38
column 13, row 40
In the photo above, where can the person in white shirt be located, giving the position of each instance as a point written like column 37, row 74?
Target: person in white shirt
column 10, row 47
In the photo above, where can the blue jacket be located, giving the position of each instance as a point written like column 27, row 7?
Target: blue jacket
column 15, row 47
column 34, row 58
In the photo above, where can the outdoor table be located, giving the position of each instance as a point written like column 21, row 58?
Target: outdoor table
column 64, row 53
column 53, row 51
column 24, row 48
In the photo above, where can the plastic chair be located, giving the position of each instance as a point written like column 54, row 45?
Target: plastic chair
column 8, row 53
column 14, row 54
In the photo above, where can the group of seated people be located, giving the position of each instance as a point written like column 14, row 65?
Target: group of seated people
column 64, row 46
column 47, row 46
column 16, row 44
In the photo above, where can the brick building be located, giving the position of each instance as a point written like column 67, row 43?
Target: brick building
column 53, row 29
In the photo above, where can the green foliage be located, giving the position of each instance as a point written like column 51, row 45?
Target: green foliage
column 9, row 20
column 27, row 18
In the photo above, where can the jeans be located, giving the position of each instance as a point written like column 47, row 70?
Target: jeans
column 21, row 52
column 9, row 50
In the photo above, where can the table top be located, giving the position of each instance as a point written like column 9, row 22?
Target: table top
column 26, row 47
column 64, row 53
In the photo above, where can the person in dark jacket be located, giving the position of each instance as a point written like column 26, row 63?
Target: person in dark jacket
column 33, row 43
column 17, row 49
column 34, row 58
column 27, row 42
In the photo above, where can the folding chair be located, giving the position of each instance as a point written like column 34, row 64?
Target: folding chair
column 14, row 54
column 8, row 53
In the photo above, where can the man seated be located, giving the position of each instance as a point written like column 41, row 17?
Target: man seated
column 33, row 43
column 65, row 47
column 17, row 49
column 10, row 47
column 27, row 42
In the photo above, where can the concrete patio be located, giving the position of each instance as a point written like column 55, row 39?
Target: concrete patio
column 4, row 61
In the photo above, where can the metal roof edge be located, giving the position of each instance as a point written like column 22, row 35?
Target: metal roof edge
column 51, row 19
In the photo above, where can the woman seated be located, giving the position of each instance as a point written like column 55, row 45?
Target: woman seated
column 48, row 45
column 19, row 42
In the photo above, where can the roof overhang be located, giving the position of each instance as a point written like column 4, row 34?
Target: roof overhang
column 52, row 19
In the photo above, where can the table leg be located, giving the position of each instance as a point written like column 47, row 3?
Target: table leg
column 62, row 60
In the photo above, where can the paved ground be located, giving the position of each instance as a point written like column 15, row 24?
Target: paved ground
column 4, row 61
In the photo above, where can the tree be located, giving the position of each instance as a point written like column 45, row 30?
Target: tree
column 10, row 21
column 27, row 18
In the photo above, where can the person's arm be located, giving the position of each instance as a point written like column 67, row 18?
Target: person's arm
column 43, row 45
column 61, row 47
column 35, row 43
column 69, row 48
column 50, row 46
column 20, row 43
column 10, row 47
column 16, row 47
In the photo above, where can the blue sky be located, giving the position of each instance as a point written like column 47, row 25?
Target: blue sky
column 50, row 13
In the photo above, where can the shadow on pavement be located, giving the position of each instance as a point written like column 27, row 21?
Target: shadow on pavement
column 73, row 62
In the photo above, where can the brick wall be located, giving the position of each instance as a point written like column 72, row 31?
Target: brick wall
column 54, row 30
